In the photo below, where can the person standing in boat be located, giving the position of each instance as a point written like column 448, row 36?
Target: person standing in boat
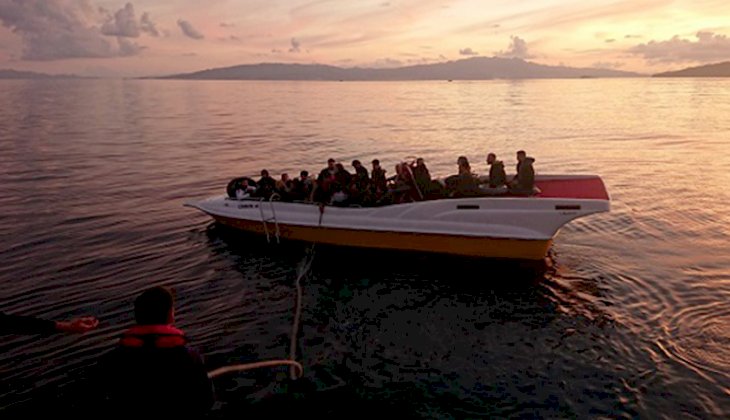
column 152, row 372
column 360, row 184
column 378, row 179
column 497, row 175
column 524, row 181
column 321, row 192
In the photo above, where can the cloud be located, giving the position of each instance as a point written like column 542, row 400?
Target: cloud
column 276, row 51
column 467, row 51
column 147, row 26
column 295, row 46
column 64, row 29
column 188, row 29
column 708, row 47
column 608, row 65
column 123, row 23
column 128, row 48
column 385, row 4
column 633, row 36
column 227, row 25
column 517, row 49
column 609, row 40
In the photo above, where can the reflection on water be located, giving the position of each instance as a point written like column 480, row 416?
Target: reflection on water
column 629, row 318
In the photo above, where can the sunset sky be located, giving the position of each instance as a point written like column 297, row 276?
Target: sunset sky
column 153, row 37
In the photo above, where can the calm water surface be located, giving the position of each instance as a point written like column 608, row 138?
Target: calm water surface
column 632, row 319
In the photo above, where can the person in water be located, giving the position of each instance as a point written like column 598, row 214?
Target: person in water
column 18, row 324
column 497, row 175
column 152, row 372
column 524, row 181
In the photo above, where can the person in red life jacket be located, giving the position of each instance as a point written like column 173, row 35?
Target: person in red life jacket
column 17, row 324
column 152, row 371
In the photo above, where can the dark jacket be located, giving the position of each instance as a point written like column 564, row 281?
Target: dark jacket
column 526, row 175
column 422, row 177
column 266, row 186
column 378, row 178
column 497, row 175
column 16, row 324
column 153, row 372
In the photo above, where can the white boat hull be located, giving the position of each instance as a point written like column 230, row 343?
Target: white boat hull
column 499, row 227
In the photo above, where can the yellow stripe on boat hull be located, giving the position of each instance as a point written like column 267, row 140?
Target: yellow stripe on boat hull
column 421, row 242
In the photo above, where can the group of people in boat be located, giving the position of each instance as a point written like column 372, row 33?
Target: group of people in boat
column 412, row 181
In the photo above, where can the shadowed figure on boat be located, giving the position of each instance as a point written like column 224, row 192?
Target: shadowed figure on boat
column 412, row 182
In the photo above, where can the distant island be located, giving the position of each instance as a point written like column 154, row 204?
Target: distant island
column 16, row 74
column 710, row 70
column 477, row 68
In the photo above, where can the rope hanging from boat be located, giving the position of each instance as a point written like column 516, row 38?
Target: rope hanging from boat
column 296, row 370
column 302, row 272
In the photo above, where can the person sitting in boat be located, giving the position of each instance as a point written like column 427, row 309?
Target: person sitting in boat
column 321, row 192
column 403, row 188
column 422, row 176
column 301, row 187
column 340, row 197
column 362, row 178
column 152, row 371
column 378, row 180
column 524, row 181
column 464, row 184
column 266, row 185
column 284, row 187
column 497, row 175
column 245, row 189
column 342, row 175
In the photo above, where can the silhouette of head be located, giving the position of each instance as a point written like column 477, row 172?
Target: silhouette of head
column 491, row 158
column 155, row 306
column 521, row 155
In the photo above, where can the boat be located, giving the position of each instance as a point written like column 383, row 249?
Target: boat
column 503, row 226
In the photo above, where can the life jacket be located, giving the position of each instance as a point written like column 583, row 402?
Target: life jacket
column 157, row 336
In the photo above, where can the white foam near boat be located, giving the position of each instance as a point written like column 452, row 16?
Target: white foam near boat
column 496, row 227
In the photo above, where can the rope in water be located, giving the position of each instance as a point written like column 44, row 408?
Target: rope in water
column 256, row 365
column 295, row 369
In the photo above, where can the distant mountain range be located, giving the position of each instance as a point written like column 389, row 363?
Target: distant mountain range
column 710, row 70
column 477, row 68
column 15, row 74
